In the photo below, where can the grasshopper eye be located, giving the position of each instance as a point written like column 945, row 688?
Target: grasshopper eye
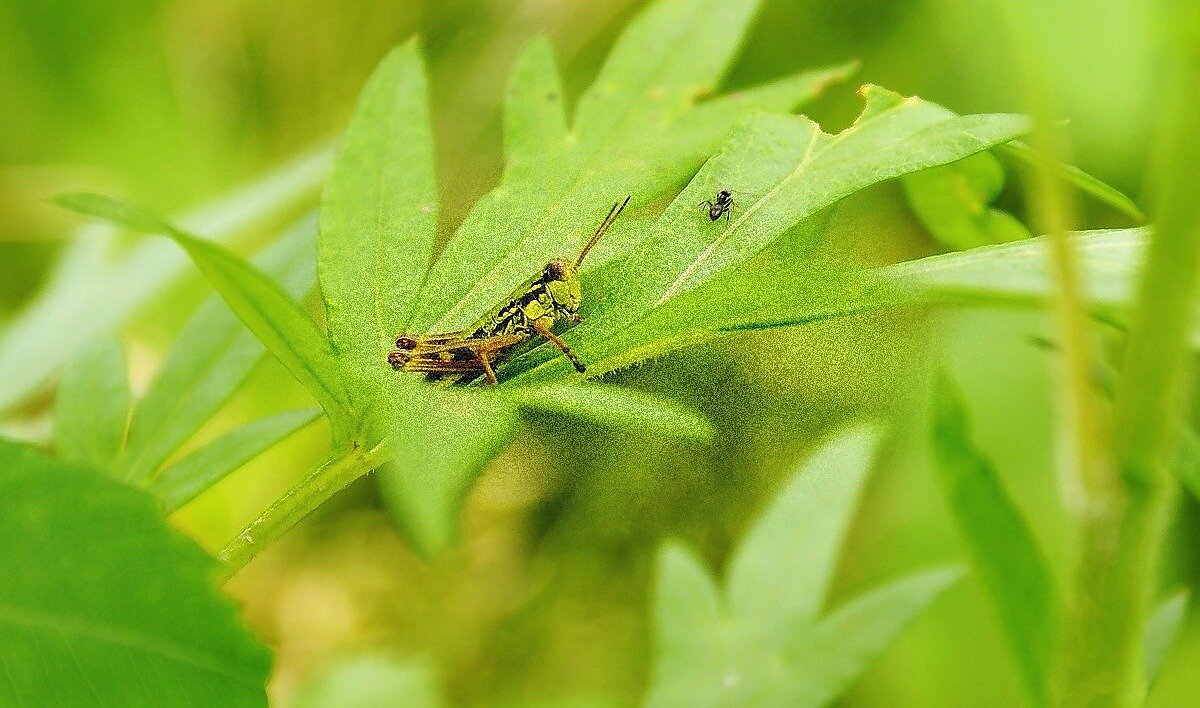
column 556, row 270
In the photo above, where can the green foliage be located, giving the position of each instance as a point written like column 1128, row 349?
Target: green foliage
column 764, row 640
column 378, row 218
column 208, row 361
column 182, row 481
column 1003, row 549
column 369, row 681
column 1161, row 631
column 92, row 407
column 954, row 203
column 96, row 287
column 104, row 604
column 641, row 129
column 262, row 305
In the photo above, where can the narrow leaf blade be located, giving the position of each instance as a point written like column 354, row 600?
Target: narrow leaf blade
column 274, row 317
column 1001, row 544
column 183, row 481
column 211, row 357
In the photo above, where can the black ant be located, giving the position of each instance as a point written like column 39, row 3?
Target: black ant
column 722, row 205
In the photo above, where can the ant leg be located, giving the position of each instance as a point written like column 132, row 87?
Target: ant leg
column 487, row 366
column 544, row 330
column 728, row 214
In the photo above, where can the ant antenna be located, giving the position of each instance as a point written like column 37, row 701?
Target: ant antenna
column 608, row 221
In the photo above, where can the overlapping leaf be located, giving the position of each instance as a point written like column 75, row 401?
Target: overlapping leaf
column 102, row 603
column 92, row 407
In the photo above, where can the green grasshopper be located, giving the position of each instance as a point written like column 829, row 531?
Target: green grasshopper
column 533, row 308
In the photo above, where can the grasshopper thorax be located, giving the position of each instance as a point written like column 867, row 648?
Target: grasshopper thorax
column 561, row 280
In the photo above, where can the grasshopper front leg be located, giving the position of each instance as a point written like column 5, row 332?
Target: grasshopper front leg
column 544, row 329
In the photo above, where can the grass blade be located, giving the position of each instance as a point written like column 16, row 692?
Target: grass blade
column 1079, row 179
column 183, row 481
column 92, row 407
column 1003, row 549
column 269, row 312
column 379, row 215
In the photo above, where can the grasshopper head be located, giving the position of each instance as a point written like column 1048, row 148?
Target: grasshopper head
column 562, row 282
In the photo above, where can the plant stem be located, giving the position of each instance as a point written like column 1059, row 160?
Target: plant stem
column 329, row 478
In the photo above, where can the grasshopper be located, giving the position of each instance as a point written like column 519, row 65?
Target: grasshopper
column 532, row 309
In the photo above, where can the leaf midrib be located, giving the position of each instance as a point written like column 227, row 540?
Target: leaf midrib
column 33, row 619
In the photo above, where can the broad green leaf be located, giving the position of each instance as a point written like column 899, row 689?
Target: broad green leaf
column 954, row 202
column 93, row 289
column 92, row 407
column 632, row 136
column 613, row 406
column 1080, row 179
column 535, row 123
column 438, row 442
column 1001, row 544
column 782, row 170
column 269, row 312
column 691, row 639
column 183, row 481
column 369, row 681
column 211, row 357
column 379, row 216
column 841, row 647
column 1161, row 630
column 780, row 574
column 104, row 604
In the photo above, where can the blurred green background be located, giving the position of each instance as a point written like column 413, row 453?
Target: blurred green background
column 170, row 102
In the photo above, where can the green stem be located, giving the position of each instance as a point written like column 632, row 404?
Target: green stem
column 329, row 478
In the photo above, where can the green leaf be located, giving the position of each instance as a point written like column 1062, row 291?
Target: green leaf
column 105, row 604
column 1002, row 546
column 782, row 170
column 715, row 649
column 535, row 121
column 1080, row 179
column 632, row 135
column 183, row 481
column 953, row 202
column 853, row 636
column 780, row 574
column 92, row 407
column 93, row 289
column 369, row 681
column 691, row 641
column 612, row 406
column 209, row 360
column 269, row 312
column 1161, row 631
column 438, row 443
column 379, row 215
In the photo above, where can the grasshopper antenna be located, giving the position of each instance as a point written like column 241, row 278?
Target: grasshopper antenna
column 608, row 221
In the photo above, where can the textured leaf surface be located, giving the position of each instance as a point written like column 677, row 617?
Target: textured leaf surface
column 634, row 133
column 101, row 603
column 379, row 215
column 92, row 407
column 613, row 406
